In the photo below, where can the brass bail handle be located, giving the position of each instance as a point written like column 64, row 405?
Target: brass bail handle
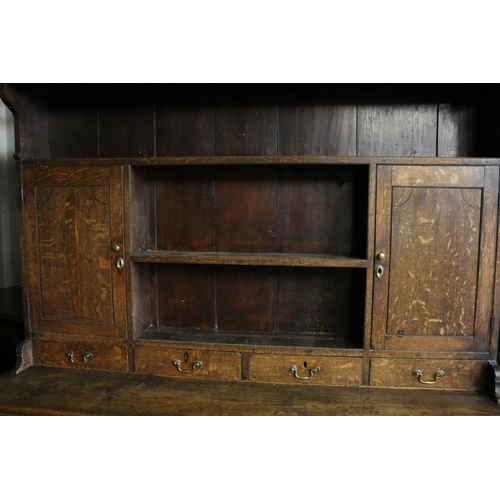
column 86, row 356
column 177, row 363
column 293, row 370
column 419, row 374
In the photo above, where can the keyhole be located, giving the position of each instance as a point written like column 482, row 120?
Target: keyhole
column 305, row 364
column 186, row 357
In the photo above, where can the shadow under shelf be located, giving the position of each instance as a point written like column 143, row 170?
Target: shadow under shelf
column 319, row 340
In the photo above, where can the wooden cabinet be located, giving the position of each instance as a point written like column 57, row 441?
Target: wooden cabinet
column 306, row 269
column 74, row 232
column 435, row 253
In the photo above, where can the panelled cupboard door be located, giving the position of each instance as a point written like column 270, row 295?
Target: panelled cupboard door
column 73, row 219
column 434, row 257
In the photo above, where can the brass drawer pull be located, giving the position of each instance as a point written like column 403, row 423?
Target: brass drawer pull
column 293, row 370
column 85, row 357
column 177, row 364
column 418, row 374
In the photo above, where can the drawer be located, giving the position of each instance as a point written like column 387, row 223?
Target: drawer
column 83, row 355
column 401, row 373
column 196, row 364
column 342, row 371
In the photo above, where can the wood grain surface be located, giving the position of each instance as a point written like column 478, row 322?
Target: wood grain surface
column 52, row 391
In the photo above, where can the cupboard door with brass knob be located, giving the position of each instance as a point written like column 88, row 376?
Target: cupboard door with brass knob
column 436, row 229
column 73, row 224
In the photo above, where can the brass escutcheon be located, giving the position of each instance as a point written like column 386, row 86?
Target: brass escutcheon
column 379, row 271
column 120, row 264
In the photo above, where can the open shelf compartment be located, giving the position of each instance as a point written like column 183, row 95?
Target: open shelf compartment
column 289, row 306
column 317, row 211
column 251, row 255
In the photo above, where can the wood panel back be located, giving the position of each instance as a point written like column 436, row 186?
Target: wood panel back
column 73, row 121
column 126, row 121
column 322, row 301
column 185, row 208
column 318, row 120
column 247, row 121
column 186, row 296
column 245, row 211
column 319, row 211
column 246, row 298
column 185, row 120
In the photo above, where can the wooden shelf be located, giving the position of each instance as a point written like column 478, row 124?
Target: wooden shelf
column 285, row 161
column 297, row 339
column 247, row 259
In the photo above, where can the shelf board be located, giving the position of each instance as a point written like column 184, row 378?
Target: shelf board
column 247, row 259
column 169, row 334
column 260, row 160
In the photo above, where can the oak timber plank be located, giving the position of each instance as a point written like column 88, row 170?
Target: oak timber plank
column 457, row 130
column 125, row 129
column 250, row 129
column 434, row 263
column 246, row 298
column 318, row 129
column 73, row 121
column 248, row 259
column 186, row 296
column 63, row 176
column 54, row 391
column 245, row 210
column 283, row 161
column 185, row 205
column 321, row 301
column 397, row 130
column 487, row 256
column 185, row 120
column 370, row 256
column 318, row 211
column 382, row 245
column 445, row 177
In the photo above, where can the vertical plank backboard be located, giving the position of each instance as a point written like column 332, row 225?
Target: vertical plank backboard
column 185, row 120
column 126, row 121
column 73, row 121
column 247, row 123
column 457, row 130
column 397, row 130
column 317, row 129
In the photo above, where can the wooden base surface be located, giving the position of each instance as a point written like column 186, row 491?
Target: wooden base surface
column 59, row 391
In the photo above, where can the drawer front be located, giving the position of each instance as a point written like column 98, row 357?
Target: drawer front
column 83, row 355
column 427, row 373
column 341, row 371
column 196, row 364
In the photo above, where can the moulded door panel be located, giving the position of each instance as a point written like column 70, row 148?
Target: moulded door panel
column 436, row 228
column 73, row 220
